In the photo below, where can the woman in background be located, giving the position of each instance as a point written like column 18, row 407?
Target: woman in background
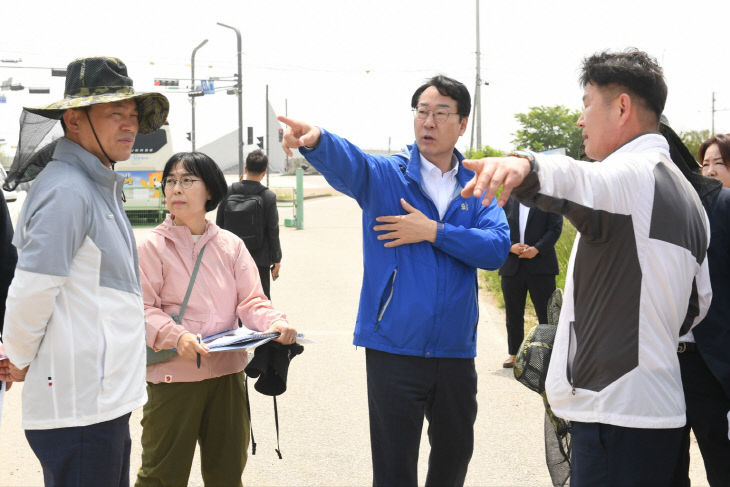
column 187, row 403
column 714, row 155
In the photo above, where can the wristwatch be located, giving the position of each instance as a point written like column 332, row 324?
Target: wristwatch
column 525, row 155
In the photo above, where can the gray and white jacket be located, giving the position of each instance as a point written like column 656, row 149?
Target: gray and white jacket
column 74, row 309
column 637, row 278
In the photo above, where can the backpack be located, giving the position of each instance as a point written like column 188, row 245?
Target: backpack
column 244, row 216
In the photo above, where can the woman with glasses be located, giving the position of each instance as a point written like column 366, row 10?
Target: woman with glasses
column 714, row 155
column 197, row 396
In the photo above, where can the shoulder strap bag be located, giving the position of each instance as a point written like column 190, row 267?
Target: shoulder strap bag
column 159, row 356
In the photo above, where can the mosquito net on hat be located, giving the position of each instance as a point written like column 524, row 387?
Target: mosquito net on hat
column 36, row 143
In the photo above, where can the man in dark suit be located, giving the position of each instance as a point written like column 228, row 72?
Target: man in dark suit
column 705, row 363
column 704, row 360
column 530, row 266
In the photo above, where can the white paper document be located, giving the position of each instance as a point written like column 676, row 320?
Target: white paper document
column 237, row 339
column 242, row 338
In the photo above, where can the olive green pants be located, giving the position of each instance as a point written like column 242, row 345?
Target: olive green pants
column 177, row 415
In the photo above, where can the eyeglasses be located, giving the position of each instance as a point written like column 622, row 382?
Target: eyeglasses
column 186, row 182
column 439, row 116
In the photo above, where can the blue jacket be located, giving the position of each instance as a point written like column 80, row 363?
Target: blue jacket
column 416, row 299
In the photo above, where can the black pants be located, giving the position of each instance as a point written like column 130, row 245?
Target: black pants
column 514, row 289
column 401, row 390
column 81, row 456
column 265, row 276
column 707, row 408
column 608, row 455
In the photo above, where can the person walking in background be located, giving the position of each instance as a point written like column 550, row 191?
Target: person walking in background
column 197, row 396
column 250, row 212
column 74, row 323
column 637, row 277
column 530, row 266
column 418, row 315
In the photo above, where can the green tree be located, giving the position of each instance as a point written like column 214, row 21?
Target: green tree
column 549, row 127
column 693, row 139
column 484, row 151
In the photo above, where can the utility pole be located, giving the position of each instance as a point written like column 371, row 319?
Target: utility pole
column 239, row 92
column 712, row 132
column 192, row 88
column 476, row 122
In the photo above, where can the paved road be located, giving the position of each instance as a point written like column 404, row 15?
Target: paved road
column 323, row 415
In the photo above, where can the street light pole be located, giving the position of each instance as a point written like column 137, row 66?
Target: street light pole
column 476, row 122
column 239, row 91
column 192, row 88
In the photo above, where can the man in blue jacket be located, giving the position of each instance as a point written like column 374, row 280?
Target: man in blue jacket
column 418, row 314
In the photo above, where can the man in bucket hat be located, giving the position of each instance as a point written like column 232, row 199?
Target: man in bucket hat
column 74, row 325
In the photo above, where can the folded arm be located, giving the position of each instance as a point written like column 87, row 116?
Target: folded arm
column 484, row 245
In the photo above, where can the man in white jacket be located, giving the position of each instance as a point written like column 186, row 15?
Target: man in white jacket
column 74, row 324
column 637, row 277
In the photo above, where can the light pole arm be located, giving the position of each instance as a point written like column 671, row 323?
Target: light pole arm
column 192, row 87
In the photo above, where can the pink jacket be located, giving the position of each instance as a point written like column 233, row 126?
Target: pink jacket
column 227, row 287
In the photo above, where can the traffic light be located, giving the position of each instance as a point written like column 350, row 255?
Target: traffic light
column 167, row 82
column 260, row 142
column 250, row 135
column 281, row 135
column 187, row 134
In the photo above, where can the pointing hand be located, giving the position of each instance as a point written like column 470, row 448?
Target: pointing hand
column 298, row 134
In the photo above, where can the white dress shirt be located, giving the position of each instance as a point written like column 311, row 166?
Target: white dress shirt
column 440, row 187
column 524, row 212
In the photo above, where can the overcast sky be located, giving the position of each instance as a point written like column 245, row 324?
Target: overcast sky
column 351, row 66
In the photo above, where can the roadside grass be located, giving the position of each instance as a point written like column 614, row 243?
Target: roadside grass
column 491, row 282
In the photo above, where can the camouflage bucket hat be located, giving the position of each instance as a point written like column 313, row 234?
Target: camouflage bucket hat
column 97, row 80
